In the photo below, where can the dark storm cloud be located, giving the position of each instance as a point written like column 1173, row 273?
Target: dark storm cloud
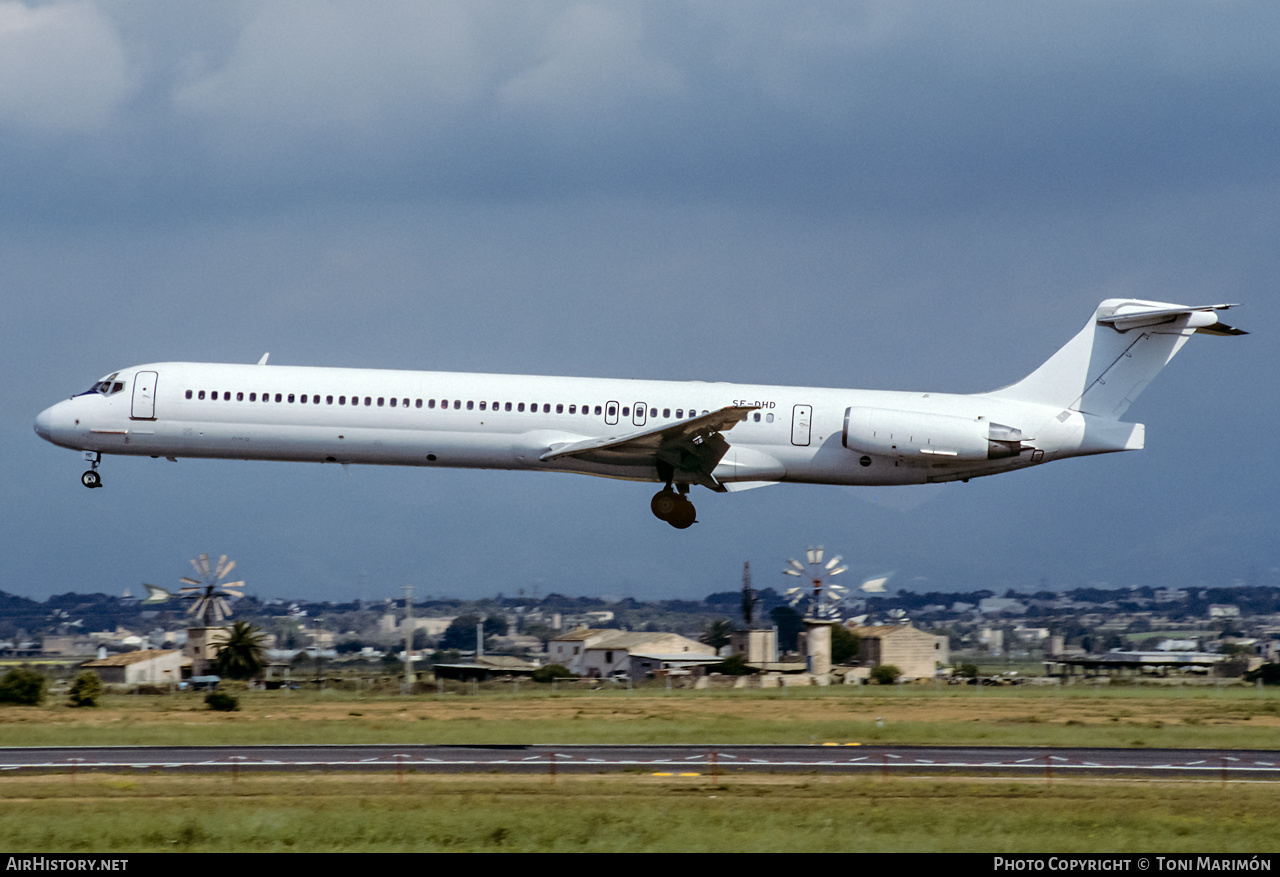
column 829, row 106
column 891, row 195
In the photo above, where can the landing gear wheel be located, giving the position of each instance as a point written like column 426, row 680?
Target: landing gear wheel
column 664, row 504
column 91, row 479
column 685, row 515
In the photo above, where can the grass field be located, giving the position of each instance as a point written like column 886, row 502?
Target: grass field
column 636, row 813
column 639, row 811
column 1241, row 718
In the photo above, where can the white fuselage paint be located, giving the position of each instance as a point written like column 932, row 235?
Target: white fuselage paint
column 159, row 413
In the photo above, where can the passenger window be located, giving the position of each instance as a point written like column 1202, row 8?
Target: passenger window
column 393, row 401
column 756, row 417
column 666, row 412
column 573, row 409
column 679, row 413
column 253, row 397
column 520, row 407
column 431, row 403
column 328, row 400
column 598, row 409
column 417, row 403
column 470, row 405
column 457, row 403
column 626, row 411
column 404, row 403
column 380, row 401
column 559, row 409
column 482, row 404
column 202, row 394
column 368, row 400
column 507, row 407
column 188, row 394
column 278, row 397
column 342, row 400
column 768, row 418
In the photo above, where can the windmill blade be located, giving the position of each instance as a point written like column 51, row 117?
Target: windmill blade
column 790, row 572
column 814, row 555
column 875, row 586
column 232, row 585
column 201, row 564
column 833, row 562
column 187, row 580
column 232, row 592
column 223, row 567
column 155, row 594
column 796, row 564
column 838, row 570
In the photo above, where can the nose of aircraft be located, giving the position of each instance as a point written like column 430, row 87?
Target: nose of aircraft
column 44, row 424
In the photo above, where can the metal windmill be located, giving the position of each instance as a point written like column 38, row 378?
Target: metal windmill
column 821, row 598
column 208, row 595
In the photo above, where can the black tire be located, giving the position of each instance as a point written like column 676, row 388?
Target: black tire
column 664, row 504
column 685, row 515
column 91, row 479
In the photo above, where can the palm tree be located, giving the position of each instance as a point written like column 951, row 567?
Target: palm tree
column 718, row 634
column 242, row 654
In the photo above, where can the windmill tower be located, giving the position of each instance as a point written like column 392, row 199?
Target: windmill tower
column 821, row 604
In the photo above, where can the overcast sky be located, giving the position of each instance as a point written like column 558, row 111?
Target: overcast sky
column 897, row 195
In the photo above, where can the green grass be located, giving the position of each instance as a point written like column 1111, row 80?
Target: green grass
column 1242, row 718
column 637, row 813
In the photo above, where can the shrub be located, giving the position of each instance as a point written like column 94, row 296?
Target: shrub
column 218, row 700
column 22, row 685
column 552, row 671
column 1268, row 673
column 734, row 665
column 85, row 690
column 885, row 674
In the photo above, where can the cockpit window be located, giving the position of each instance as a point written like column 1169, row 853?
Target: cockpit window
column 108, row 386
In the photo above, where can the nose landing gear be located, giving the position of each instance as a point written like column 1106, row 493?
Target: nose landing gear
column 674, row 508
column 91, row 478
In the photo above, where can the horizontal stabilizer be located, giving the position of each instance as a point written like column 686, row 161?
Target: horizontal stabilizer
column 1136, row 316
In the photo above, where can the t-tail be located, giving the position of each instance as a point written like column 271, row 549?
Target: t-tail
column 1101, row 371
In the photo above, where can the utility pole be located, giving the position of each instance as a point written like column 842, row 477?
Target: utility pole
column 407, row 686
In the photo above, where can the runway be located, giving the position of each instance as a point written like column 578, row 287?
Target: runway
column 670, row 760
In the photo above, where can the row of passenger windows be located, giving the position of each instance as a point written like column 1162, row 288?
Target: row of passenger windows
column 443, row 404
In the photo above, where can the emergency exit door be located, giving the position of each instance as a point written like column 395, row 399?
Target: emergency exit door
column 144, row 396
column 801, row 424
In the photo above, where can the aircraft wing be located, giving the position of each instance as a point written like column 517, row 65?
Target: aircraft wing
column 690, row 447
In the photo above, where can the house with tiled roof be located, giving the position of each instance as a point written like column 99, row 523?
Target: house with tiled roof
column 147, row 667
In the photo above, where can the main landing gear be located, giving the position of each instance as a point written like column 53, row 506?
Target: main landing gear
column 674, row 508
column 91, row 478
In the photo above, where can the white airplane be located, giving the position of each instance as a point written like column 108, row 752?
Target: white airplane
column 723, row 436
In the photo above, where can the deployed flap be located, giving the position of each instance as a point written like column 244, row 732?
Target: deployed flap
column 648, row 442
column 691, row 447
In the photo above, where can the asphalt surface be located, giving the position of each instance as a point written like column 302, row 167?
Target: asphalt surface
column 693, row 760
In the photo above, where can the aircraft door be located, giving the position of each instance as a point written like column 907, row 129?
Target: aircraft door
column 144, row 396
column 641, row 412
column 801, row 421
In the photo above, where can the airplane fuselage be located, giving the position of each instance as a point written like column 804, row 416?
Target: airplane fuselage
column 481, row 421
column 724, row 436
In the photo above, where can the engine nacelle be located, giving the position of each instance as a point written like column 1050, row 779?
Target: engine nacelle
column 941, row 437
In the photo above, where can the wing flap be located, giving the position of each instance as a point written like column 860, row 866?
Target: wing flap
column 649, row 442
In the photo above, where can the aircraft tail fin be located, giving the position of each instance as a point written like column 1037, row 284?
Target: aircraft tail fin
column 1124, row 345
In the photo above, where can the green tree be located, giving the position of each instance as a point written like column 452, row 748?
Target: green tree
column 22, row 685
column 85, row 690
column 242, row 655
column 844, row 645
